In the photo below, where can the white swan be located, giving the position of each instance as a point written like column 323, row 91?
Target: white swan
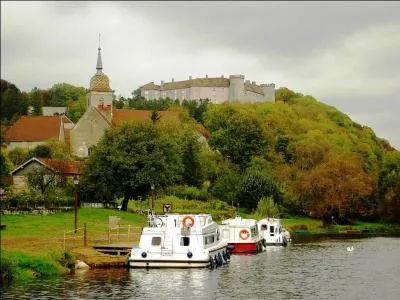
column 350, row 249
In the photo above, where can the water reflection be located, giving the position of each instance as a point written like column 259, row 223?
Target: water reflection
column 319, row 270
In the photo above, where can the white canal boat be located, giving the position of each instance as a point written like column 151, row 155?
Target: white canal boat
column 273, row 233
column 242, row 235
column 182, row 241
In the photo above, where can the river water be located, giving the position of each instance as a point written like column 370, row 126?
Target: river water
column 308, row 270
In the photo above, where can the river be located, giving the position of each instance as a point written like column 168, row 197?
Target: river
column 310, row 270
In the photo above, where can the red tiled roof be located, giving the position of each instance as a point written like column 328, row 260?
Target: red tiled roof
column 121, row 115
column 64, row 166
column 35, row 128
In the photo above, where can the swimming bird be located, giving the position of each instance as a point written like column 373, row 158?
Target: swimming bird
column 350, row 249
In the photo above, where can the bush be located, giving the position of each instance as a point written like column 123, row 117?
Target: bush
column 18, row 266
column 267, row 208
column 33, row 198
column 189, row 192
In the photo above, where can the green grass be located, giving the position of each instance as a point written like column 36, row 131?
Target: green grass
column 19, row 266
column 96, row 220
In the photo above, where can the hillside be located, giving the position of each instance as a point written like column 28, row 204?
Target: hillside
column 324, row 163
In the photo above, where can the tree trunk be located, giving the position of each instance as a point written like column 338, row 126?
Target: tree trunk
column 125, row 203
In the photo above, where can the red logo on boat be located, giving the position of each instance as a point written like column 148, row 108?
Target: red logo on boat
column 188, row 221
column 244, row 234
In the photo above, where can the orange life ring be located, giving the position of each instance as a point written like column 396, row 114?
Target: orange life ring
column 244, row 234
column 185, row 223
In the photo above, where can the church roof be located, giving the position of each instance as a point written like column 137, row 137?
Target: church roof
column 36, row 128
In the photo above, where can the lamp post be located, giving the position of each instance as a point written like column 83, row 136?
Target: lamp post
column 152, row 196
column 76, row 181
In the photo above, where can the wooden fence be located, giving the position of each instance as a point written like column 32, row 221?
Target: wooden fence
column 112, row 234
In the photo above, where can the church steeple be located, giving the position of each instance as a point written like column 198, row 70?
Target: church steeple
column 99, row 65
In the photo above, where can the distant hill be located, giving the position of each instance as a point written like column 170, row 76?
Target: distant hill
column 324, row 163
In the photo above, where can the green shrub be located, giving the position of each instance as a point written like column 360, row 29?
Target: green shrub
column 267, row 208
column 189, row 192
column 18, row 266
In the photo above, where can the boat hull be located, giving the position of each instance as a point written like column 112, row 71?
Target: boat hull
column 167, row 264
column 237, row 248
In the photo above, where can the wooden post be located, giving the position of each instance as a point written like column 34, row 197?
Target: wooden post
column 84, row 235
column 129, row 232
column 109, row 235
column 118, row 233
column 64, row 239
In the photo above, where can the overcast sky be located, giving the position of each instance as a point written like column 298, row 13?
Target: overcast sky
column 346, row 54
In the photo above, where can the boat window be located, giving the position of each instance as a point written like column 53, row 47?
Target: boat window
column 271, row 230
column 264, row 227
column 156, row 241
column 185, row 241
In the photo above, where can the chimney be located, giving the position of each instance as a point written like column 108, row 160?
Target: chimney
column 206, row 76
column 162, row 82
column 222, row 76
column 172, row 79
column 190, row 77
column 253, row 82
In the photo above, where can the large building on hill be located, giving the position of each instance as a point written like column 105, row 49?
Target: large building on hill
column 217, row 89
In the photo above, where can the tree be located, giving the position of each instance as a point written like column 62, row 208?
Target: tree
column 340, row 183
column 75, row 109
column 62, row 92
column 36, row 100
column 19, row 155
column 236, row 133
column 389, row 181
column 5, row 164
column 140, row 155
column 255, row 185
column 13, row 103
column 41, row 179
column 43, row 151
column 192, row 174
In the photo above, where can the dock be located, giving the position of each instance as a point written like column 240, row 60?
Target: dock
column 119, row 248
column 104, row 256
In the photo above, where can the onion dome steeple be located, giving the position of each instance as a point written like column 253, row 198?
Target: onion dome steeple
column 100, row 82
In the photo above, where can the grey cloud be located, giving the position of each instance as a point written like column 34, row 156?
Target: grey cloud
column 269, row 27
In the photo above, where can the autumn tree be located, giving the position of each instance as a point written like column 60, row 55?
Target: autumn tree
column 340, row 183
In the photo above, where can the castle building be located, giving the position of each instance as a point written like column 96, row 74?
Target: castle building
column 217, row 89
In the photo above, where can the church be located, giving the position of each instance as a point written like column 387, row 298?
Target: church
column 101, row 115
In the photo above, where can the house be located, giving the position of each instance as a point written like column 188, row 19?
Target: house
column 62, row 170
column 30, row 131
